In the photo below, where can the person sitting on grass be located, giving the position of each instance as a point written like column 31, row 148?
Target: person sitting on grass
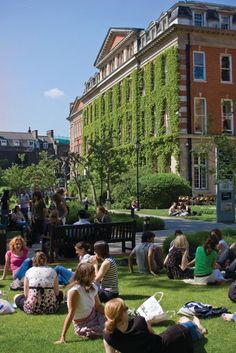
column 106, row 272
column 64, row 274
column 177, row 260
column 137, row 336
column 84, row 307
column 16, row 258
column 41, row 290
column 148, row 255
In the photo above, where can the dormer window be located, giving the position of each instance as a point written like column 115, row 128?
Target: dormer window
column 3, row 142
column 225, row 22
column 16, row 143
column 31, row 143
column 45, row 145
column 198, row 19
column 165, row 24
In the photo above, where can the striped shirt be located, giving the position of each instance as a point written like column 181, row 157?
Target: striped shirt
column 110, row 280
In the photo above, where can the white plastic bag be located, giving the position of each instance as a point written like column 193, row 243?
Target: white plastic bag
column 152, row 311
column 6, row 307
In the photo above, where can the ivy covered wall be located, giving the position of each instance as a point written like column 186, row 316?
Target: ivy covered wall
column 142, row 106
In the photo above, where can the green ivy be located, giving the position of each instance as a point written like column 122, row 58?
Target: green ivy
column 135, row 109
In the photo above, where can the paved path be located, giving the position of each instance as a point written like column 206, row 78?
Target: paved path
column 173, row 223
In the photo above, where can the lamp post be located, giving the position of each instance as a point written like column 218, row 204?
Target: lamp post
column 137, row 149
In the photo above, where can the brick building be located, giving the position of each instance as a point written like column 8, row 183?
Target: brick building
column 171, row 85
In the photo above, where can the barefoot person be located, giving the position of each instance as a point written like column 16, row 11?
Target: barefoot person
column 137, row 336
column 84, row 307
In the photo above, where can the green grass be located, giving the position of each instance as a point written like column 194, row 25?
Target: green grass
column 36, row 333
column 204, row 213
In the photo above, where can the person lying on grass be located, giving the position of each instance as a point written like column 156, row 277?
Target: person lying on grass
column 84, row 307
column 229, row 317
column 137, row 336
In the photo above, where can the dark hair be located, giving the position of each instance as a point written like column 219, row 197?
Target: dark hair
column 216, row 233
column 15, row 208
column 102, row 249
column 38, row 195
column 83, row 214
column 82, row 276
column 210, row 244
column 82, row 245
column 147, row 235
column 178, row 232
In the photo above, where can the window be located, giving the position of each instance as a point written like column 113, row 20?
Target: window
column 152, row 75
column 31, row 143
column 164, row 68
column 45, row 145
column 166, row 123
column 200, row 172
column 225, row 68
column 129, row 89
column 3, row 142
column 16, row 143
column 198, row 19
column 199, row 70
column 154, row 121
column 225, row 22
column 200, row 116
column 142, row 124
column 227, row 115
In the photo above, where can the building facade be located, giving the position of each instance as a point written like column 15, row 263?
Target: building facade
column 172, row 86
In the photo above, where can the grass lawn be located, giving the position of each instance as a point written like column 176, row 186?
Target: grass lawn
column 204, row 213
column 36, row 333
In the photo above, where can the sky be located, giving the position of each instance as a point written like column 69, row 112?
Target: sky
column 47, row 52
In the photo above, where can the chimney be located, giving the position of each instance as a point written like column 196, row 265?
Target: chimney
column 35, row 134
column 29, row 130
column 50, row 133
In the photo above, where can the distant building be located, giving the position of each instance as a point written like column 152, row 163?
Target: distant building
column 30, row 144
column 171, row 85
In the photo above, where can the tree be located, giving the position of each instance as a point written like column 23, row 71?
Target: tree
column 105, row 162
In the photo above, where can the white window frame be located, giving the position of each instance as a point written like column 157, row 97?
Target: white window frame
column 222, row 22
column 45, row 145
column 200, row 173
column 3, row 142
column 16, row 143
column 203, row 18
column 204, row 65
column 229, row 116
column 203, row 118
column 230, row 68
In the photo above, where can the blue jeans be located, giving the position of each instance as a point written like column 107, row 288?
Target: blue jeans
column 64, row 275
column 26, row 264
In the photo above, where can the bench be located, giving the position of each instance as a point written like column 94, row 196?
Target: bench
column 66, row 236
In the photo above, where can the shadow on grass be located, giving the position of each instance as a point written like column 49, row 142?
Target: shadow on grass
column 132, row 296
column 199, row 346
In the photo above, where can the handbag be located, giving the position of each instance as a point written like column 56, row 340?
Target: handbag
column 152, row 311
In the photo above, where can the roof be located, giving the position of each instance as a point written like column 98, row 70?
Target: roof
column 17, row 135
column 110, row 41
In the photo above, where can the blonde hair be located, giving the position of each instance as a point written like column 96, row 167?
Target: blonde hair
column 39, row 259
column 181, row 241
column 12, row 244
column 113, row 311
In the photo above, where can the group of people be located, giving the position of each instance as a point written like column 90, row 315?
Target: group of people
column 181, row 209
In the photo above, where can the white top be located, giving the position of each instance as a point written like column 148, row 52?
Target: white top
column 82, row 221
column 41, row 276
column 86, row 301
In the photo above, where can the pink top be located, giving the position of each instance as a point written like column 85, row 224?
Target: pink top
column 15, row 260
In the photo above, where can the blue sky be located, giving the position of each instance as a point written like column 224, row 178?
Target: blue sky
column 48, row 48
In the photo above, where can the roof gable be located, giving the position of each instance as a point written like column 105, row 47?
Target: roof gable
column 113, row 38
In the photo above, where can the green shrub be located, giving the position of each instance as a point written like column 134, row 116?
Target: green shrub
column 160, row 190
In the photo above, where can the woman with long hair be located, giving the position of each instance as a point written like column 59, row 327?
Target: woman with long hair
column 84, row 307
column 41, row 289
column 205, row 262
column 137, row 336
column 15, row 257
column 106, row 272
column 177, row 261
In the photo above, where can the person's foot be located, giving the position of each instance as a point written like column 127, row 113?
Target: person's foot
column 227, row 317
column 197, row 322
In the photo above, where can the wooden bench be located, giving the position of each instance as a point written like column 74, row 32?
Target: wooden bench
column 66, row 236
